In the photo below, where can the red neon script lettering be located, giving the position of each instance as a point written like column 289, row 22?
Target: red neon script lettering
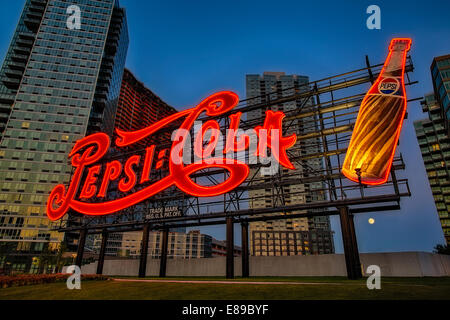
column 91, row 149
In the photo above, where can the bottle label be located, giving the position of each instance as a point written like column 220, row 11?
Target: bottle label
column 389, row 86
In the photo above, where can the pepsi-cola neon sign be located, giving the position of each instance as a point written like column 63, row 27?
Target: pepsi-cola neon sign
column 86, row 190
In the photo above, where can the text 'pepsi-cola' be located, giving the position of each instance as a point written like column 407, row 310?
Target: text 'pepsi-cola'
column 375, row 135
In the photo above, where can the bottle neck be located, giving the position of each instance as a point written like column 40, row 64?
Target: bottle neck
column 394, row 65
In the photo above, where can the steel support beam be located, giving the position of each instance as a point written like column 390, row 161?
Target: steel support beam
column 356, row 260
column 349, row 247
column 101, row 257
column 230, row 248
column 80, row 249
column 163, row 261
column 245, row 251
column 144, row 251
column 255, row 212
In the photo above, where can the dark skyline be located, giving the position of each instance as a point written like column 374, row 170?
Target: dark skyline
column 184, row 51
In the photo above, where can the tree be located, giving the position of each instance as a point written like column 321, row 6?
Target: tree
column 46, row 258
column 6, row 249
column 60, row 261
column 53, row 258
column 442, row 249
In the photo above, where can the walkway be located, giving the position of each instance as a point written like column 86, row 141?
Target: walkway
column 230, row 282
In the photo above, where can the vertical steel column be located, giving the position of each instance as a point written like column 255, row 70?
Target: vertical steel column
column 163, row 261
column 230, row 248
column 394, row 181
column 80, row 249
column 101, row 257
column 372, row 79
column 245, row 254
column 347, row 240
column 356, row 261
column 144, row 251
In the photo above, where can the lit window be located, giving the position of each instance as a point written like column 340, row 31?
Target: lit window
column 25, row 125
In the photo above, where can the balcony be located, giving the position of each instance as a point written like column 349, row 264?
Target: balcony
column 14, row 73
column 115, row 32
column 100, row 102
column 113, row 39
column 6, row 99
column 107, row 73
column 4, row 107
column 19, row 57
column 25, row 42
column 32, row 24
column 39, row 2
column 34, row 16
column 27, row 35
column 17, row 65
column 22, row 50
column 37, row 8
column 104, row 85
column 101, row 95
column 11, row 82
column 108, row 59
column 107, row 66
column 4, row 117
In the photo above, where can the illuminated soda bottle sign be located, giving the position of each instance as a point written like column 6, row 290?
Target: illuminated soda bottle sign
column 92, row 177
column 377, row 129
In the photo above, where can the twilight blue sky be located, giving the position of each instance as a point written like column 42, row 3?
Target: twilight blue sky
column 185, row 50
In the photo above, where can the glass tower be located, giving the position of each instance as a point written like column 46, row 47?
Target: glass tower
column 57, row 85
column 440, row 73
column 434, row 143
column 434, row 139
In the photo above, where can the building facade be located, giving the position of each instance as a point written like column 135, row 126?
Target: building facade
column 290, row 243
column 434, row 143
column 58, row 84
column 440, row 74
column 182, row 245
column 138, row 106
column 267, row 87
column 219, row 249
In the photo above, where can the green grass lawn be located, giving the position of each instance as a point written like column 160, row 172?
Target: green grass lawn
column 326, row 288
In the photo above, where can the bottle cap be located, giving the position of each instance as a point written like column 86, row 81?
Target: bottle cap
column 400, row 44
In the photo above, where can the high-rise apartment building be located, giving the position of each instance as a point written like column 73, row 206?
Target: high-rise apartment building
column 139, row 107
column 433, row 135
column 57, row 84
column 440, row 74
column 268, row 87
column 434, row 143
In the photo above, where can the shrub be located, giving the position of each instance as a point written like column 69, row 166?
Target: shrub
column 30, row 279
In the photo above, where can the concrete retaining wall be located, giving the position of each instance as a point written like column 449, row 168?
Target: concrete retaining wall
column 392, row 264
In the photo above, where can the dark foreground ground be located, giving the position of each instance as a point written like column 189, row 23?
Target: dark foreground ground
column 309, row 288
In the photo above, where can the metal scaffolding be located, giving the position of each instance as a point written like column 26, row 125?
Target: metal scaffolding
column 334, row 103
